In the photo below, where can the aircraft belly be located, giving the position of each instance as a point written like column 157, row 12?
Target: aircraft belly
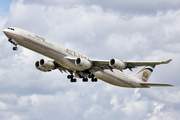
column 18, row 39
column 113, row 78
column 68, row 64
column 41, row 50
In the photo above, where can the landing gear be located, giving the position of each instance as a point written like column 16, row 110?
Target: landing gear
column 15, row 48
column 91, row 76
column 85, row 79
column 93, row 79
column 14, row 43
column 73, row 80
column 71, row 77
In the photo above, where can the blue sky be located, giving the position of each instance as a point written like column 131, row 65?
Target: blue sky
column 5, row 4
column 134, row 30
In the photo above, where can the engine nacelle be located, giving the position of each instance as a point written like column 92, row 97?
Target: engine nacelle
column 117, row 64
column 39, row 67
column 47, row 64
column 85, row 64
column 44, row 65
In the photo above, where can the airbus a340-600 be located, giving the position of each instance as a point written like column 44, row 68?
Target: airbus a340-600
column 80, row 66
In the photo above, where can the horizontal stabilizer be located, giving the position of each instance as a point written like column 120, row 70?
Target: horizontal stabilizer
column 154, row 84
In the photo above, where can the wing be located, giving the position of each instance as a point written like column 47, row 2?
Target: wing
column 118, row 64
column 143, row 63
column 61, row 68
column 154, row 84
column 104, row 64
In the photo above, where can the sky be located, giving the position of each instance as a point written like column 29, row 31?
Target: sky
column 132, row 30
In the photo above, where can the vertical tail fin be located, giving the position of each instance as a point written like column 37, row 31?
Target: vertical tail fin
column 144, row 74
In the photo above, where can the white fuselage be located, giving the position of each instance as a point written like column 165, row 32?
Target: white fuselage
column 59, row 53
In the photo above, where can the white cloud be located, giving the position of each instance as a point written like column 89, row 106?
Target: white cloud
column 128, row 7
column 3, row 106
column 27, row 93
column 157, row 107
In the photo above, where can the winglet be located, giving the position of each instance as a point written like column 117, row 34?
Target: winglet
column 167, row 61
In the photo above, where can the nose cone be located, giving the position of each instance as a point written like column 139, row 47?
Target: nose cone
column 5, row 31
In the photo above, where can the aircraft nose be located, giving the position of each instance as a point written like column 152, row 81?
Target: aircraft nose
column 5, row 30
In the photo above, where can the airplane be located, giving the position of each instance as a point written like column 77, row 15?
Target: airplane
column 80, row 66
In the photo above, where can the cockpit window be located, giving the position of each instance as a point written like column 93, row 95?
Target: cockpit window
column 11, row 28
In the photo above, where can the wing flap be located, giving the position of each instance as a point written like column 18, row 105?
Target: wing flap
column 154, row 84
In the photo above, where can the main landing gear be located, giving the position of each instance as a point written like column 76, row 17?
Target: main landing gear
column 84, row 79
column 71, row 77
column 93, row 79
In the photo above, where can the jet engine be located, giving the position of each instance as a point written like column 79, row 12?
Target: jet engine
column 45, row 65
column 117, row 64
column 84, row 63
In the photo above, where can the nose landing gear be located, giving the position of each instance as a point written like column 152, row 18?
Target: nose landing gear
column 14, row 43
column 15, row 48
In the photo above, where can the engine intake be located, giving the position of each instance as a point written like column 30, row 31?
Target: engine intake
column 117, row 64
column 45, row 65
column 84, row 63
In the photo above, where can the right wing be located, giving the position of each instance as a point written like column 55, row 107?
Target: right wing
column 116, row 64
column 104, row 64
